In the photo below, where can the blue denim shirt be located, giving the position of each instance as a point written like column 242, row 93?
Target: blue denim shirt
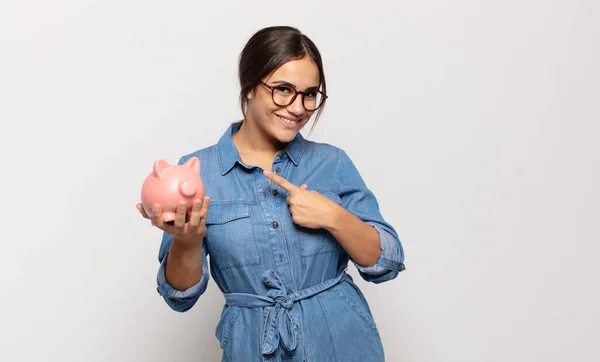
column 287, row 294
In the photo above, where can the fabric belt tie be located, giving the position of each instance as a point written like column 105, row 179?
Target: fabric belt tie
column 280, row 327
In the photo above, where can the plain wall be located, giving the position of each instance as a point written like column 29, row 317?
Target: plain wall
column 475, row 123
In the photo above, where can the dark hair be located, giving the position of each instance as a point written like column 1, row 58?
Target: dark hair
column 270, row 48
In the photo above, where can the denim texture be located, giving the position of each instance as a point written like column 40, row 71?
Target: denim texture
column 287, row 294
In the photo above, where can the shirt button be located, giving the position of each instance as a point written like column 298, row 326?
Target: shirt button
column 289, row 292
column 278, row 169
column 275, row 225
column 275, row 192
column 281, row 154
column 400, row 266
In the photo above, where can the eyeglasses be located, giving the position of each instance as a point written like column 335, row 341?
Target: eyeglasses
column 284, row 95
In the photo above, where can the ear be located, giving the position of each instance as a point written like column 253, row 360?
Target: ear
column 250, row 95
column 159, row 167
column 194, row 163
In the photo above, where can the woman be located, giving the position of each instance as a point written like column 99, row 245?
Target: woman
column 284, row 217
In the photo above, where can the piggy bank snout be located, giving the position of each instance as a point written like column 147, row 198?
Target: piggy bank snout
column 187, row 188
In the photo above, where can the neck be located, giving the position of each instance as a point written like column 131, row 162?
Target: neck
column 250, row 138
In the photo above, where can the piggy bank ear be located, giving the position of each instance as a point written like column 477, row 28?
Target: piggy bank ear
column 193, row 163
column 159, row 167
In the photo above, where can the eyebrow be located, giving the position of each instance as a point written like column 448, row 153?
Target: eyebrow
column 283, row 82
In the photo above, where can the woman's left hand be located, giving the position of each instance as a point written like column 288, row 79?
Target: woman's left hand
column 309, row 208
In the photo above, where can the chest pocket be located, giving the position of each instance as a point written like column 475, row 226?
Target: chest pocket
column 319, row 241
column 229, row 236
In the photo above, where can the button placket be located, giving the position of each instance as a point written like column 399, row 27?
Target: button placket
column 276, row 206
column 277, row 169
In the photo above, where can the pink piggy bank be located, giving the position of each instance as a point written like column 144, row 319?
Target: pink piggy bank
column 168, row 185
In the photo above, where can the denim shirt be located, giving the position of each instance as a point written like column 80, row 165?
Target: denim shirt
column 287, row 294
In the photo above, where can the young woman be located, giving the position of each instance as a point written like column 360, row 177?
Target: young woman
column 284, row 217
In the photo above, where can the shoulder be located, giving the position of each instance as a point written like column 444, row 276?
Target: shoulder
column 325, row 151
column 205, row 155
column 321, row 148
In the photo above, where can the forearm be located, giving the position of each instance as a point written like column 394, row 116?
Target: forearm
column 184, row 265
column 359, row 239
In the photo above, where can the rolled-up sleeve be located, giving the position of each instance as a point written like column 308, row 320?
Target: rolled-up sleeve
column 180, row 300
column 358, row 199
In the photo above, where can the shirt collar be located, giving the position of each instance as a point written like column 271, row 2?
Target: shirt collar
column 229, row 155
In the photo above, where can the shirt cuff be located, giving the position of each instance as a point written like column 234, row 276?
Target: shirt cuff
column 167, row 291
column 388, row 260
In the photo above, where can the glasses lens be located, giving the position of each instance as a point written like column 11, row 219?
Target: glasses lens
column 313, row 100
column 282, row 95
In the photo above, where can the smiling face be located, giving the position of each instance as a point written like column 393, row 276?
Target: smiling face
column 279, row 123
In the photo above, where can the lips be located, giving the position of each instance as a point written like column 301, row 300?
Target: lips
column 290, row 122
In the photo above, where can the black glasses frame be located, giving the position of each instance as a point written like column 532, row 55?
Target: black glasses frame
column 272, row 88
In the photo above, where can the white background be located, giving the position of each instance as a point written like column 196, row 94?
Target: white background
column 474, row 122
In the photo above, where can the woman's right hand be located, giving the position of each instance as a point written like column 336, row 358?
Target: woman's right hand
column 189, row 232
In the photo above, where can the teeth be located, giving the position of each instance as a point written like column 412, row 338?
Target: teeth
column 287, row 120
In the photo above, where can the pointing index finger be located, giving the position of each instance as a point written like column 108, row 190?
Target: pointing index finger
column 283, row 183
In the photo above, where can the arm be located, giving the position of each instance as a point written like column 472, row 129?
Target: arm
column 359, row 239
column 356, row 222
column 183, row 273
column 371, row 242
column 184, row 265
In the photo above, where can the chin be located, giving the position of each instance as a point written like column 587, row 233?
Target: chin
column 285, row 136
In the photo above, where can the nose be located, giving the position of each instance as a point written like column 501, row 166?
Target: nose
column 296, row 108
